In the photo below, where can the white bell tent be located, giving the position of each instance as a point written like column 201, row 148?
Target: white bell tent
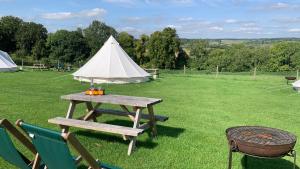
column 296, row 85
column 6, row 63
column 111, row 64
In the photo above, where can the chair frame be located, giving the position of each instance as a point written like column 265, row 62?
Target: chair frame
column 83, row 153
column 24, row 140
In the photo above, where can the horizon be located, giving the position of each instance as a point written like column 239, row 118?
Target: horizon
column 193, row 19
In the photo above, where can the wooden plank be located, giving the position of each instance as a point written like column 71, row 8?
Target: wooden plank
column 127, row 112
column 136, row 125
column 69, row 115
column 90, row 110
column 144, row 126
column 18, row 135
column 36, row 162
column 81, row 150
column 114, row 99
column 97, row 126
column 122, row 113
column 152, row 121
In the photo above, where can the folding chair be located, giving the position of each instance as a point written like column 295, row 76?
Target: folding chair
column 53, row 148
column 9, row 152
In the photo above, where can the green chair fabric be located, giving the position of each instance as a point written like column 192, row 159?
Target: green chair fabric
column 52, row 148
column 9, row 153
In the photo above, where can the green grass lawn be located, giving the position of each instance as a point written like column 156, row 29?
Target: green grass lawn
column 200, row 108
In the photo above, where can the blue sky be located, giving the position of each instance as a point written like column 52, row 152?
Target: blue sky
column 191, row 18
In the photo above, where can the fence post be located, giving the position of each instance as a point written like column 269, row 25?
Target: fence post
column 297, row 74
column 184, row 69
column 22, row 65
column 254, row 73
column 217, row 71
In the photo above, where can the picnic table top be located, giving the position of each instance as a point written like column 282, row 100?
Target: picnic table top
column 113, row 99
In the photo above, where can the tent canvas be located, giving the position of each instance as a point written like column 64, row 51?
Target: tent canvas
column 296, row 85
column 6, row 63
column 111, row 64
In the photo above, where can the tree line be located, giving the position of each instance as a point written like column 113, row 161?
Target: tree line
column 31, row 42
column 276, row 57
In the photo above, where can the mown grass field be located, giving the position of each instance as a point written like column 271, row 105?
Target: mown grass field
column 200, row 108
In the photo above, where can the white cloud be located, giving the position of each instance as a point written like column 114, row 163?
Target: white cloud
column 231, row 21
column 96, row 12
column 287, row 20
column 186, row 19
column 280, row 5
column 182, row 1
column 216, row 28
column 174, row 26
column 120, row 1
column 174, row 2
column 142, row 20
column 294, row 30
column 247, row 29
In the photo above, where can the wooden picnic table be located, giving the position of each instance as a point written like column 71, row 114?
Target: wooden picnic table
column 93, row 111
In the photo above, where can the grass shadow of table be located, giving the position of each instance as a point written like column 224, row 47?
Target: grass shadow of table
column 149, row 143
column 263, row 163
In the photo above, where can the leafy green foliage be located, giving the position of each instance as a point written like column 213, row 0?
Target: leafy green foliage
column 163, row 47
column 142, row 56
column 199, row 55
column 127, row 43
column 97, row 33
column 30, row 36
column 68, row 46
column 9, row 26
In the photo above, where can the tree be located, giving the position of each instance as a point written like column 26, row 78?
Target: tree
column 281, row 54
column 31, row 35
column 39, row 50
column 97, row 33
column 216, row 58
column 182, row 59
column 68, row 46
column 295, row 59
column 199, row 55
column 9, row 25
column 163, row 47
column 141, row 49
column 127, row 43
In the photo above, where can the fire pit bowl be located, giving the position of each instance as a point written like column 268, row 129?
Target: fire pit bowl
column 260, row 141
column 290, row 78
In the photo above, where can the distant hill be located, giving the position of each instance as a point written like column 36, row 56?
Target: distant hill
column 262, row 41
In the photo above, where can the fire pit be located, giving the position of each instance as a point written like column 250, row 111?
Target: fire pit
column 260, row 142
column 288, row 78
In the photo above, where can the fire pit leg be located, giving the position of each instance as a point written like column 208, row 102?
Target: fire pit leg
column 230, row 158
column 293, row 154
column 246, row 161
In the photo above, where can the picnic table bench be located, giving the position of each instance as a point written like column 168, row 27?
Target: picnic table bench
column 93, row 111
column 153, row 72
column 39, row 66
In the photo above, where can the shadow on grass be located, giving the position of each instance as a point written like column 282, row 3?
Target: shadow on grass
column 162, row 131
column 263, row 163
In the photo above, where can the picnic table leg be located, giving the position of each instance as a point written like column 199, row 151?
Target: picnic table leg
column 90, row 110
column 152, row 121
column 69, row 114
column 125, row 109
column 230, row 158
column 136, row 124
